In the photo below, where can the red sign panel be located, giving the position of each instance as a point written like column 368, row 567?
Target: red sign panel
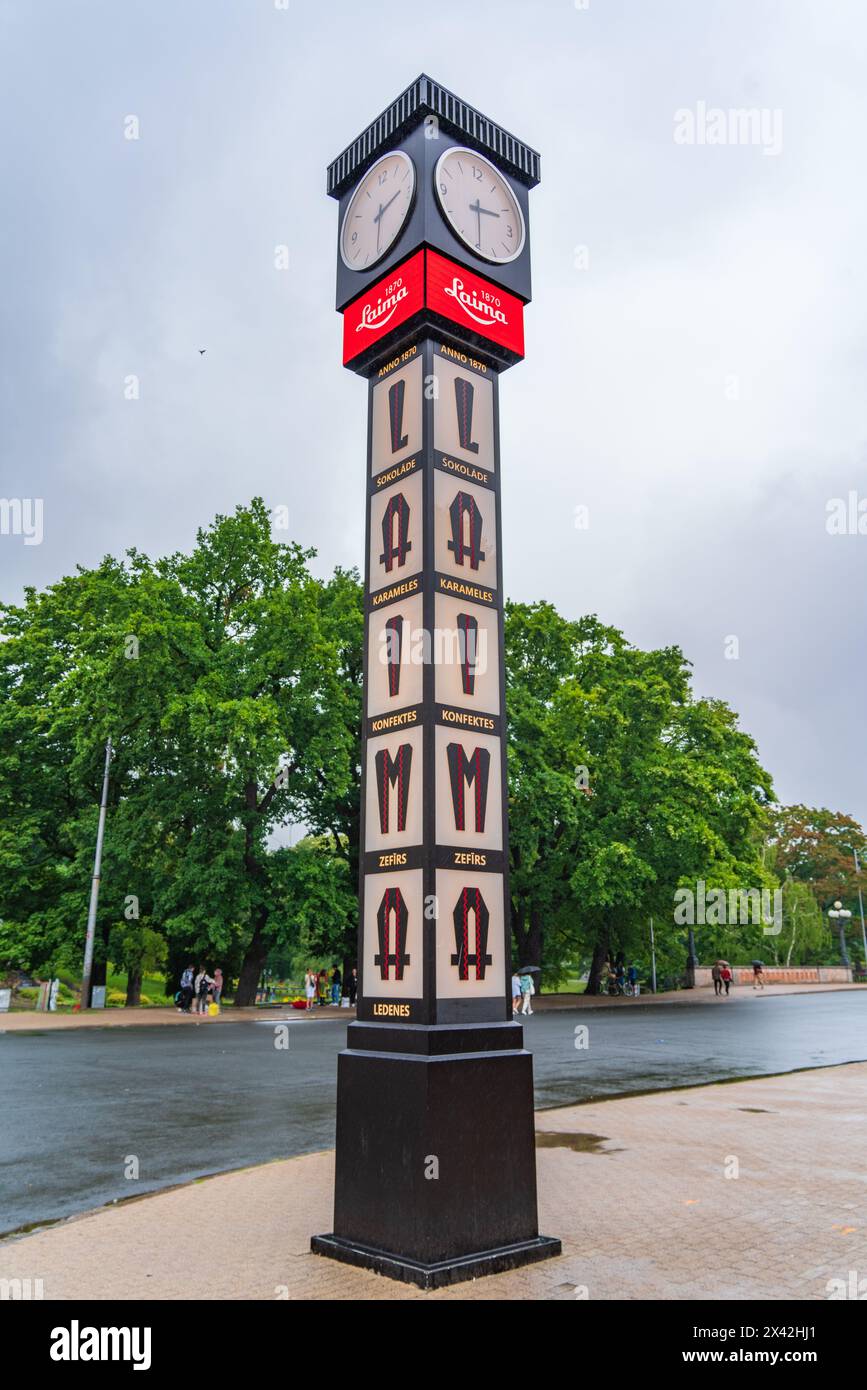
column 471, row 302
column 384, row 307
column 428, row 280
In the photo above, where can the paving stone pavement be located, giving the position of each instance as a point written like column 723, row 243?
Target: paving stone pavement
column 644, row 1210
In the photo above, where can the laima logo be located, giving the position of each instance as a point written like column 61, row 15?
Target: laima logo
column 484, row 313
column 375, row 315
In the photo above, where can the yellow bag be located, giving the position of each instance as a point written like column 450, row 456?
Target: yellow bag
column 213, row 1010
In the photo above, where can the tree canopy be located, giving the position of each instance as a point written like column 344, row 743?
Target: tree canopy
column 220, row 676
column 622, row 787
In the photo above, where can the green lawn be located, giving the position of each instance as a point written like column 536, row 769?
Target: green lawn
column 152, row 991
column 570, row 985
column 115, row 994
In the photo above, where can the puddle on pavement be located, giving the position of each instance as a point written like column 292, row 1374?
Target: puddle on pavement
column 30, row 1226
column 579, row 1143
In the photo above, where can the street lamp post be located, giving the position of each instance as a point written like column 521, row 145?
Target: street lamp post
column 861, row 906
column 840, row 915
column 87, row 971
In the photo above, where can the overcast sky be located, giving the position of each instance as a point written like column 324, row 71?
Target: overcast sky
column 695, row 346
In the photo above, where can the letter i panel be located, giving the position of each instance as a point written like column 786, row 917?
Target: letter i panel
column 434, row 924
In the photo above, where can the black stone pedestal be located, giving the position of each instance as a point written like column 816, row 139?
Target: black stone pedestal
column 436, row 1165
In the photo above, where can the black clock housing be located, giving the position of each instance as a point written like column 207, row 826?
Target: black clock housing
column 424, row 121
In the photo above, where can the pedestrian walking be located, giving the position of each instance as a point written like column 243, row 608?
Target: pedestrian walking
column 726, row 976
column 323, row 989
column 516, row 994
column 632, row 976
column 758, row 975
column 203, row 983
column 186, row 990
column 336, row 982
column 218, row 986
column 528, row 989
column 310, row 988
column 716, row 976
column 353, row 987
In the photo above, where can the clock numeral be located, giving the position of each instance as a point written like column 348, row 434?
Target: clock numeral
column 477, row 174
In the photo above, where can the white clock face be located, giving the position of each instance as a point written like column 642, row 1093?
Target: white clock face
column 377, row 211
column 480, row 205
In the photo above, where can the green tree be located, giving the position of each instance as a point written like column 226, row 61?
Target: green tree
column 622, row 787
column 817, row 847
column 139, row 950
column 316, row 897
column 218, row 675
column 333, row 812
column 804, row 939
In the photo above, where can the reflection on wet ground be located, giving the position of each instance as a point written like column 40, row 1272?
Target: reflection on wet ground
column 76, row 1106
column 578, row 1143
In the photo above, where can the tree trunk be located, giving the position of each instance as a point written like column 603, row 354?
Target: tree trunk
column 533, row 946
column 99, row 973
column 794, row 934
column 600, row 956
column 177, row 962
column 257, row 951
column 521, row 935
column 348, row 963
column 133, row 989
column 254, row 960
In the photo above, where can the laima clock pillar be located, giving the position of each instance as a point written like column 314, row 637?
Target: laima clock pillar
column 435, row 1164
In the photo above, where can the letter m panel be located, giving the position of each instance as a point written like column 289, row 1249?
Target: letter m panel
column 468, row 777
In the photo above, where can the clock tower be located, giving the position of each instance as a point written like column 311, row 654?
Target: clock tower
column 435, row 1165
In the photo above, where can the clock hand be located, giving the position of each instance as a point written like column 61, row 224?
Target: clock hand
column 382, row 208
column 477, row 208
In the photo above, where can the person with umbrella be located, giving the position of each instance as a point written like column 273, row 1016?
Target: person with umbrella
column 528, row 989
column 726, row 976
column 758, row 975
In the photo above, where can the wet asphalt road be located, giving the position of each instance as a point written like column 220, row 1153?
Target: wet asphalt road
column 187, row 1101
